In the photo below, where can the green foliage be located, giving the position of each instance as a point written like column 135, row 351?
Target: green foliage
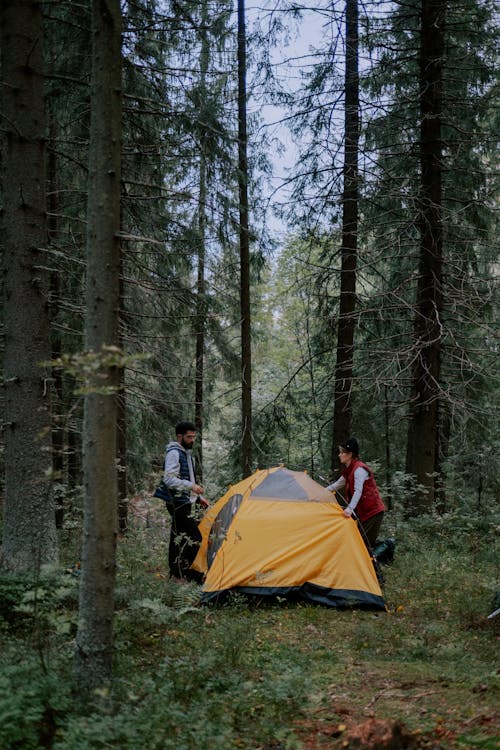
column 198, row 695
column 31, row 703
column 187, row 676
column 39, row 604
column 296, row 376
column 12, row 591
column 92, row 369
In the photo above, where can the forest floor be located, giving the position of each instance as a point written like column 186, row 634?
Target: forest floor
column 424, row 674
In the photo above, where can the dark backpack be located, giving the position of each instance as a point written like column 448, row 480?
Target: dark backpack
column 384, row 550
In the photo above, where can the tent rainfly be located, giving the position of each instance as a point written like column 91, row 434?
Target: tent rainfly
column 278, row 533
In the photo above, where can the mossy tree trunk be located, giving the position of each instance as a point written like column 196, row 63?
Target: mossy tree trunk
column 94, row 646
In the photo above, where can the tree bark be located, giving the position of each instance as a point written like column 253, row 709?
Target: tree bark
column 94, row 643
column 121, row 456
column 200, row 318
column 56, row 341
column 29, row 532
column 423, row 431
column 342, row 414
column 121, row 416
column 246, row 347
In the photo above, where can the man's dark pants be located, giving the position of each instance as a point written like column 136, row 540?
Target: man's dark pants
column 185, row 539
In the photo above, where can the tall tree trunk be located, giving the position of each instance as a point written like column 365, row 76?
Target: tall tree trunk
column 121, row 455
column 94, row 643
column 342, row 414
column 74, row 450
column 387, row 440
column 56, row 343
column 423, row 424
column 246, row 347
column 121, row 416
column 442, row 452
column 200, row 318
column 29, row 532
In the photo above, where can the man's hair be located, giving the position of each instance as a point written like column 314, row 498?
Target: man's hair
column 184, row 427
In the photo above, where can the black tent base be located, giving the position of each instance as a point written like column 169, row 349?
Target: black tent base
column 308, row 592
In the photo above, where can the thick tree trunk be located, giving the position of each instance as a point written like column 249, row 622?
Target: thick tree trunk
column 94, row 646
column 342, row 414
column 423, row 425
column 246, row 347
column 29, row 533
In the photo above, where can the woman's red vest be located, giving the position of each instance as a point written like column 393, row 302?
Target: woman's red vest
column 370, row 501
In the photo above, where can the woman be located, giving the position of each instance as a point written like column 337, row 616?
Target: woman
column 361, row 490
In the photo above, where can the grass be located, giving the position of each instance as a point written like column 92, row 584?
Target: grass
column 422, row 675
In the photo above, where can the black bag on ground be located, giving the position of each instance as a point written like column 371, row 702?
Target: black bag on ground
column 384, row 550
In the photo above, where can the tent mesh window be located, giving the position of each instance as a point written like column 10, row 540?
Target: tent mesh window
column 220, row 526
column 280, row 485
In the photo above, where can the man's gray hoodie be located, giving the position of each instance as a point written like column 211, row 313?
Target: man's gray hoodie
column 172, row 468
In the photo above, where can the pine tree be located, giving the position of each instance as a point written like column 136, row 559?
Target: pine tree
column 246, row 350
column 342, row 412
column 423, row 431
column 29, row 533
column 94, row 642
column 423, row 203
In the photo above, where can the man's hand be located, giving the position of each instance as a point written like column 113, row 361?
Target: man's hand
column 197, row 489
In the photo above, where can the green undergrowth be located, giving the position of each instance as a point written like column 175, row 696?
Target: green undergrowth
column 262, row 676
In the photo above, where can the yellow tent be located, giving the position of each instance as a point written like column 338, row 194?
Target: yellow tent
column 280, row 533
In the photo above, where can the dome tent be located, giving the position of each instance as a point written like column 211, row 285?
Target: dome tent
column 280, row 533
